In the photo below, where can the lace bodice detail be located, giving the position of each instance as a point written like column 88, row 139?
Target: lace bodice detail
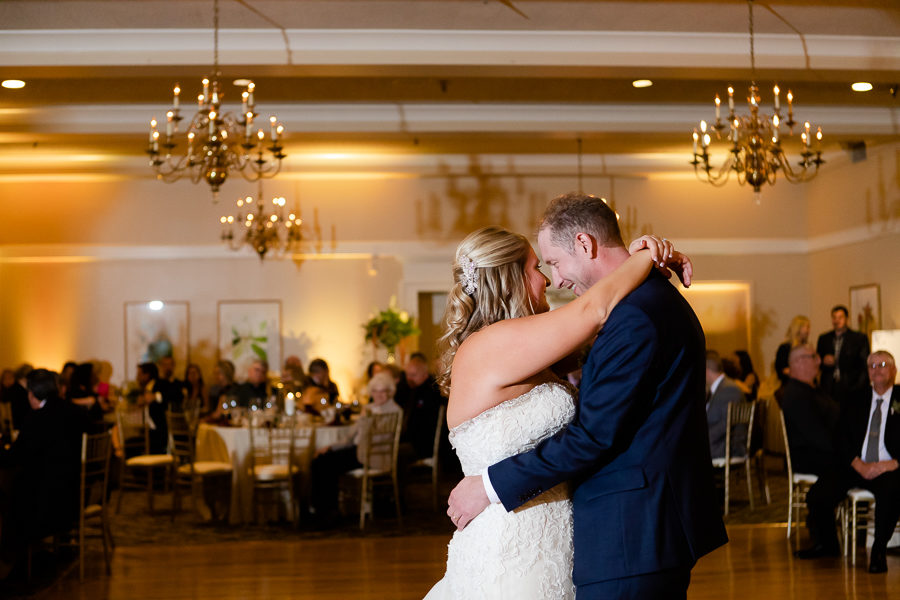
column 525, row 554
column 512, row 427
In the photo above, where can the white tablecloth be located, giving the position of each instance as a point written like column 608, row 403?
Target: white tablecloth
column 232, row 445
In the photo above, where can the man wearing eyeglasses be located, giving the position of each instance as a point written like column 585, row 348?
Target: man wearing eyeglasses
column 869, row 441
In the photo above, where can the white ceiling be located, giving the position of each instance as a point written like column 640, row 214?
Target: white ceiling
column 414, row 84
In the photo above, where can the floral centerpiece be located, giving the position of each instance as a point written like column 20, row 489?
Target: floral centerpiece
column 389, row 327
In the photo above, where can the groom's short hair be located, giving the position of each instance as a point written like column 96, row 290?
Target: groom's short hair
column 574, row 213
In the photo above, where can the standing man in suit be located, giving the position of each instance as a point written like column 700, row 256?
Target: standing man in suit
column 869, row 443
column 722, row 392
column 843, row 352
column 638, row 449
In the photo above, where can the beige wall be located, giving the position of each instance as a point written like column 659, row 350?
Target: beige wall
column 51, row 310
column 857, row 205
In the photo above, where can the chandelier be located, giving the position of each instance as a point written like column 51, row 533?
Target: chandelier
column 267, row 232
column 756, row 155
column 218, row 143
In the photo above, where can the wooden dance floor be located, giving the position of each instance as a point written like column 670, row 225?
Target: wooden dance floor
column 756, row 565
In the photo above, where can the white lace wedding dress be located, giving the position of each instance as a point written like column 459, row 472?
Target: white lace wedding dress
column 525, row 554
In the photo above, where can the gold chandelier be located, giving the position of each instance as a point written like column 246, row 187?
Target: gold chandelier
column 267, row 232
column 218, row 143
column 756, row 155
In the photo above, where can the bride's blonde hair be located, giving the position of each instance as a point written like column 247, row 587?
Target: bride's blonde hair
column 497, row 273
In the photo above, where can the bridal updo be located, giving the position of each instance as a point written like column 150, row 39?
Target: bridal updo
column 488, row 286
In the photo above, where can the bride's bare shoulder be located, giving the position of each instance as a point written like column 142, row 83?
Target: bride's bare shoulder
column 471, row 389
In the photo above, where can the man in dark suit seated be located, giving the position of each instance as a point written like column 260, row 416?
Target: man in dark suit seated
column 254, row 391
column 843, row 353
column 171, row 388
column 809, row 415
column 18, row 397
column 41, row 470
column 722, row 392
column 154, row 402
column 869, row 439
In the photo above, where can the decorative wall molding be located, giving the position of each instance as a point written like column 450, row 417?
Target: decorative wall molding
column 414, row 252
column 147, row 47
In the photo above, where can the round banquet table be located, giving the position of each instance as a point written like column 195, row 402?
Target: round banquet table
column 232, row 445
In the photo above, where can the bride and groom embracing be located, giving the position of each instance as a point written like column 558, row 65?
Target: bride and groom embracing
column 610, row 494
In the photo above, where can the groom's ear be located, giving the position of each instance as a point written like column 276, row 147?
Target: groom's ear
column 585, row 244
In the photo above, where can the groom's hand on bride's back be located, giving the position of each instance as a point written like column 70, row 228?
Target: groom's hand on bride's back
column 467, row 500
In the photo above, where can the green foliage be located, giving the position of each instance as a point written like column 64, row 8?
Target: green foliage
column 389, row 327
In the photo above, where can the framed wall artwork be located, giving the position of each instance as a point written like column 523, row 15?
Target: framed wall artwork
column 865, row 308
column 723, row 308
column 249, row 330
column 154, row 329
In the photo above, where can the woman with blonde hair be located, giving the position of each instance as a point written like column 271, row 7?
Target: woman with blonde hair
column 499, row 345
column 797, row 334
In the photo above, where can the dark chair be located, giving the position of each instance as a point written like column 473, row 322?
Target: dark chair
column 186, row 470
column 432, row 462
column 137, row 472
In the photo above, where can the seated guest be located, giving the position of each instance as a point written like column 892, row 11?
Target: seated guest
column 745, row 376
column 155, row 406
column 65, row 378
column 372, row 368
column 196, row 399
column 18, row 396
column 320, row 378
column 82, row 391
column 223, row 383
column 797, row 334
column 869, row 440
column 421, row 399
column 809, row 415
column 7, row 381
column 171, row 388
column 293, row 379
column 42, row 468
column 331, row 462
column 722, row 391
column 255, row 390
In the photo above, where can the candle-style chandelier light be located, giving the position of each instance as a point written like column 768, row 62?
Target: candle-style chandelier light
column 218, row 142
column 756, row 155
column 263, row 228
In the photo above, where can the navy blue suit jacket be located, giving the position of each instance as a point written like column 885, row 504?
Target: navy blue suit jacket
column 638, row 448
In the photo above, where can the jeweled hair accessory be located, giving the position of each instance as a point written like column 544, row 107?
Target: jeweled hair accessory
column 468, row 269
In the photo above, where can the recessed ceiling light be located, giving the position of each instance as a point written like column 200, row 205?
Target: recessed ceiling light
column 641, row 83
column 155, row 305
column 241, row 82
column 13, row 84
column 861, row 86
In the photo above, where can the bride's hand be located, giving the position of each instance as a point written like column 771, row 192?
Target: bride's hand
column 665, row 257
column 660, row 248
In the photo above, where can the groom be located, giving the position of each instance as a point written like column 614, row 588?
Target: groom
column 638, row 449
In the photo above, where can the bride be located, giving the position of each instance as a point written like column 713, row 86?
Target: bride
column 504, row 399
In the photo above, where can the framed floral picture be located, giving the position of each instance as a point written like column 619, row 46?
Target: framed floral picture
column 249, row 330
column 154, row 329
column 865, row 308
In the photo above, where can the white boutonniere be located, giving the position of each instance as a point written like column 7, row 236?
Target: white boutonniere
column 895, row 406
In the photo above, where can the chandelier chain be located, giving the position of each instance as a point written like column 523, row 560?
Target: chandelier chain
column 752, row 51
column 216, row 37
column 219, row 142
column 756, row 155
